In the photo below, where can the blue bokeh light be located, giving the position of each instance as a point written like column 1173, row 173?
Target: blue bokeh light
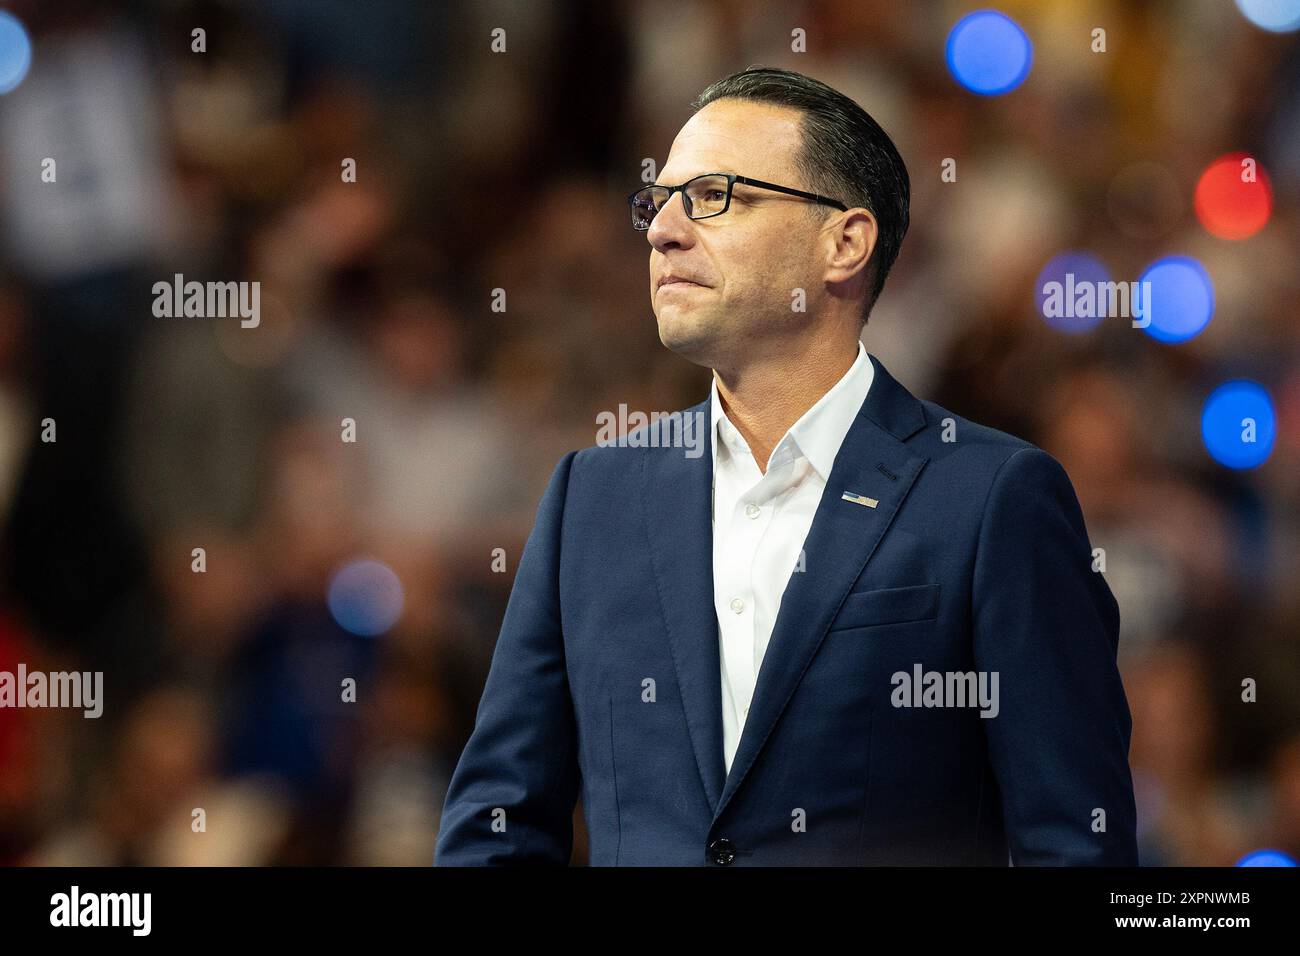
column 988, row 53
column 1067, row 270
column 1266, row 858
column 1223, row 428
column 1181, row 302
column 366, row 597
column 1276, row 16
column 15, row 52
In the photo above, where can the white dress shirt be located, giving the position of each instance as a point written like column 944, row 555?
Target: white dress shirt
column 760, row 521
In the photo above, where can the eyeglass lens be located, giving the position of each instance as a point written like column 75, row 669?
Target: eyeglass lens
column 703, row 196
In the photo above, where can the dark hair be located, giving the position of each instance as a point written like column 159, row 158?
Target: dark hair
column 844, row 154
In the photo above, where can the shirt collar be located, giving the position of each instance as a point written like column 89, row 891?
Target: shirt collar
column 819, row 432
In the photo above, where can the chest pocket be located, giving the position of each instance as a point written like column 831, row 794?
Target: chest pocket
column 862, row 609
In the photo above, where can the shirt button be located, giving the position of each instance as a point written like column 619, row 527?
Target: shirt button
column 737, row 605
column 752, row 510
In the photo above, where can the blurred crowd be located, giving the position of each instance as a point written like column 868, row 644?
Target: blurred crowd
column 479, row 171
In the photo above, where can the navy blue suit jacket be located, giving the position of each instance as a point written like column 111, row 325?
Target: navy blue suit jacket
column 605, row 679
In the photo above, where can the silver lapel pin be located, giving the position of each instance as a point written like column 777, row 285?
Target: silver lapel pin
column 859, row 499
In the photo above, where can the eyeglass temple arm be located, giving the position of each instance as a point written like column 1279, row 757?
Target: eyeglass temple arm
column 825, row 200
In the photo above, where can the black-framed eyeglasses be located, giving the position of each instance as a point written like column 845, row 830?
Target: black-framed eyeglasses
column 705, row 196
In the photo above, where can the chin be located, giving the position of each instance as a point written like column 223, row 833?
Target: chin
column 690, row 336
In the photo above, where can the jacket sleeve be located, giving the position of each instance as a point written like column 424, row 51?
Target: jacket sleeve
column 512, row 795
column 1049, row 625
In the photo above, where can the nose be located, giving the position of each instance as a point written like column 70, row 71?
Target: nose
column 670, row 226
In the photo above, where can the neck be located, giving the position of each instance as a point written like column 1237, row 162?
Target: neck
column 765, row 397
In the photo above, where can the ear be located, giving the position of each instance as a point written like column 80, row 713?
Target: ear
column 851, row 238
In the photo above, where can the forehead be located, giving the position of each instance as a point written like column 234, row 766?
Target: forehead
column 759, row 140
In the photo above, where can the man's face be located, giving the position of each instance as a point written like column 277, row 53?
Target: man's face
column 745, row 263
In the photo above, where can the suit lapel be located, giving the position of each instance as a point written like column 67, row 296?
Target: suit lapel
column 873, row 461
column 681, row 553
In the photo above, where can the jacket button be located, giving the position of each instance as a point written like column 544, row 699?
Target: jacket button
column 722, row 851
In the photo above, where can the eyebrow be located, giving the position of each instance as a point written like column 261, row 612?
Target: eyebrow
column 661, row 181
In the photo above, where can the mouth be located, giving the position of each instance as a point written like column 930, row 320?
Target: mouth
column 678, row 282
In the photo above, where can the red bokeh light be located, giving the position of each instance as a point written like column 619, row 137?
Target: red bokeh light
column 1229, row 204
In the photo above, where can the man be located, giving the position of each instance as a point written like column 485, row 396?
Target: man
column 857, row 629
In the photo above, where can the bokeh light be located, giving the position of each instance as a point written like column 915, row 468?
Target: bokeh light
column 366, row 597
column 15, row 52
column 988, row 53
column 1276, row 16
column 1266, row 858
column 1230, row 206
column 1181, row 302
column 1067, row 270
column 1239, row 424
column 1144, row 200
